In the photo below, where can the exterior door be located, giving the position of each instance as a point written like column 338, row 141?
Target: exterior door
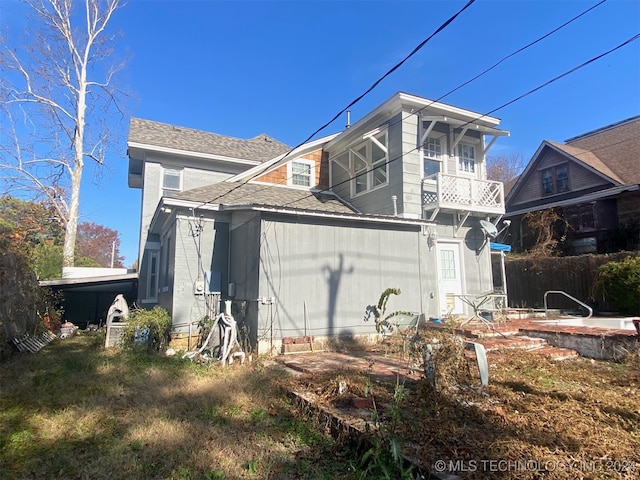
column 449, row 278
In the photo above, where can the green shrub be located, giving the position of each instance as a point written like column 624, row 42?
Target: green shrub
column 620, row 282
column 147, row 329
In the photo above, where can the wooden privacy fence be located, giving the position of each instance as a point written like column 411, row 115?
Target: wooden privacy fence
column 529, row 278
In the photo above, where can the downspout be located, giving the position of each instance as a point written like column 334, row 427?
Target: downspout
column 394, row 199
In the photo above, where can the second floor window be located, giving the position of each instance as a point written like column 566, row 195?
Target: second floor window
column 171, row 181
column 554, row 180
column 467, row 158
column 301, row 173
column 367, row 162
column 432, row 155
column 432, row 148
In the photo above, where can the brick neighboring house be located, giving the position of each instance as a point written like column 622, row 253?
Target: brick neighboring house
column 593, row 181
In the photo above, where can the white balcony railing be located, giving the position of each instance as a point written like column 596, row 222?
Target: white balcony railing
column 442, row 191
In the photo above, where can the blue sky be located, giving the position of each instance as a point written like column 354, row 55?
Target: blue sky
column 285, row 68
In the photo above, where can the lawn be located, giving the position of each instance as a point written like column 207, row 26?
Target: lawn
column 75, row 410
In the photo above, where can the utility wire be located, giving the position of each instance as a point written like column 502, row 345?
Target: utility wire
column 484, row 72
column 360, row 97
column 568, row 72
column 393, row 69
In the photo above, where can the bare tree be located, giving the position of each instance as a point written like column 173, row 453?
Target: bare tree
column 503, row 168
column 58, row 99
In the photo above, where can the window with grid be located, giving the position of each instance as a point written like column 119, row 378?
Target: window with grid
column 379, row 159
column 152, row 276
column 448, row 264
column 432, row 148
column 171, row 181
column 554, row 180
column 301, row 174
column 547, row 182
column 467, row 158
column 562, row 178
column 360, row 172
column 432, row 154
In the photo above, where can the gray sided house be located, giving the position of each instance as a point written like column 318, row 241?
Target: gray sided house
column 592, row 181
column 303, row 241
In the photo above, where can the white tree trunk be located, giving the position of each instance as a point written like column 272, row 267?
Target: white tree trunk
column 49, row 86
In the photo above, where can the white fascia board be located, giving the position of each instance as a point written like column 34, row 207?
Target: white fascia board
column 189, row 153
column 401, row 101
column 177, row 203
column 276, row 162
column 572, row 201
column 339, row 216
column 448, row 110
column 470, row 126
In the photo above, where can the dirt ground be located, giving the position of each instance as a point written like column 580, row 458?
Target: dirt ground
column 537, row 418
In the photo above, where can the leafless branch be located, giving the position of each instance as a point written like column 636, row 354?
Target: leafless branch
column 63, row 92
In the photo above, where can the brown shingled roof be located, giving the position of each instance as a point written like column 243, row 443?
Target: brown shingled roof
column 236, row 193
column 260, row 148
column 589, row 158
column 616, row 146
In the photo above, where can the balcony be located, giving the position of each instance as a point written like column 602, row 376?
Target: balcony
column 450, row 193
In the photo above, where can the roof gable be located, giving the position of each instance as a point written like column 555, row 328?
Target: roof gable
column 612, row 153
column 155, row 134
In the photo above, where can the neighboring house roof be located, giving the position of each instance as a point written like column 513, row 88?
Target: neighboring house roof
column 588, row 158
column 260, row 148
column 612, row 152
column 248, row 194
column 617, row 146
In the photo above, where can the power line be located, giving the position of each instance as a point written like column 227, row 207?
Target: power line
column 360, row 97
column 520, row 97
column 484, row 72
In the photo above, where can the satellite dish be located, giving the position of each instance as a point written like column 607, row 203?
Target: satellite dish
column 489, row 228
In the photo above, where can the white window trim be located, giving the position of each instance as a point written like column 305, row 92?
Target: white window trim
column 175, row 169
column 369, row 138
column 152, row 288
column 476, row 162
column 312, row 173
column 440, row 157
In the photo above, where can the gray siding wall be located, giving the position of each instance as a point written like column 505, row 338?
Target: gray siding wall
column 336, row 272
column 411, row 167
column 245, row 254
column 192, row 177
column 197, row 173
column 194, row 257
column 476, row 255
column 340, row 181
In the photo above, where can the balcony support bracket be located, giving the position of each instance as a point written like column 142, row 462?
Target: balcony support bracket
column 460, row 223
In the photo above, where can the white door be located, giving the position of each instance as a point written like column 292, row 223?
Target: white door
column 449, row 278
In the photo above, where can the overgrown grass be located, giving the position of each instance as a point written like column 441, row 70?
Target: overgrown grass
column 75, row 410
